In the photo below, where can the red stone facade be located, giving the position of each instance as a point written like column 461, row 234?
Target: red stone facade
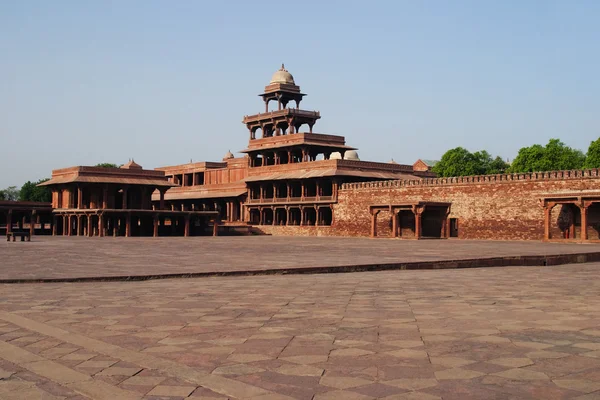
column 505, row 207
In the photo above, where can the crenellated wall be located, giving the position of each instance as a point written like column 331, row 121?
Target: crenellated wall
column 504, row 207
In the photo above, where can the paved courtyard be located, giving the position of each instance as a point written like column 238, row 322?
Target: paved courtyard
column 493, row 333
column 60, row 257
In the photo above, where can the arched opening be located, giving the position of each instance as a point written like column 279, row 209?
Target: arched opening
column 257, row 132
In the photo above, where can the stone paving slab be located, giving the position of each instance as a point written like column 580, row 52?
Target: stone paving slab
column 496, row 333
column 76, row 257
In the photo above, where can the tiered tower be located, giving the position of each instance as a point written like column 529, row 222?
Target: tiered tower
column 275, row 136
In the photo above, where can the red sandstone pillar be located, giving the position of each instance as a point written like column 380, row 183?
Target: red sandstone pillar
column 105, row 198
column 547, row 218
column 216, row 227
column 32, row 223
column 584, row 215
column 79, row 197
column 394, row 223
column 9, row 222
column 418, row 226
column 128, row 225
column 54, row 223
column 101, row 225
column 90, row 228
column 155, row 234
column 186, row 231
column 301, row 216
column 162, row 199
column 374, row 223
column 124, row 198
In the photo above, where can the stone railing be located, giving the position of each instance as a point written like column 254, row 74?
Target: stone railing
column 281, row 113
column 305, row 199
column 528, row 176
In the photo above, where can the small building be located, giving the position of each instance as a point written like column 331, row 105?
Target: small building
column 99, row 201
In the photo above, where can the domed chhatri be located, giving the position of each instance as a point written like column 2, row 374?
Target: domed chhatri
column 336, row 155
column 228, row 155
column 351, row 155
column 131, row 165
column 282, row 76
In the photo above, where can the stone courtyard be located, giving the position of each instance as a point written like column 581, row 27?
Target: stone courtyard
column 483, row 333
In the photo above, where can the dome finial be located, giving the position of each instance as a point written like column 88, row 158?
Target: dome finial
column 282, row 67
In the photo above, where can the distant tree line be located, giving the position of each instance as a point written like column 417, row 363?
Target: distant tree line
column 30, row 191
column 554, row 156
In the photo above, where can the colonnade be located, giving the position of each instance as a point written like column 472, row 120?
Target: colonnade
column 317, row 215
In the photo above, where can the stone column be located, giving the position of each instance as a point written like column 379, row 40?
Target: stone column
column 105, row 198
column 301, row 215
column 584, row 214
column 395, row 217
column 547, row 220
column 125, row 190
column 316, row 216
column 274, row 212
column 66, row 222
column 90, row 228
column 54, row 223
column 290, row 159
column 128, row 225
column 162, row 199
column 186, row 230
column 288, row 190
column 9, row 221
column 155, row 234
column 32, row 223
column 418, row 227
column 79, row 197
column 260, row 215
column 101, row 227
column 374, row 223
column 216, row 227
column 287, row 215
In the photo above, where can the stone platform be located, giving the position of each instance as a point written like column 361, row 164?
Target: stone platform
column 76, row 258
column 489, row 333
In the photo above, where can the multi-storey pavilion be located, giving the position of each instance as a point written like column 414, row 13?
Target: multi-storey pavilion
column 97, row 201
column 287, row 177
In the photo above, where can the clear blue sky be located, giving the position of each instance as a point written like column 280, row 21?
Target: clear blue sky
column 83, row 82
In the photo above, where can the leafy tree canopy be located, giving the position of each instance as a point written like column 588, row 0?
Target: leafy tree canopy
column 107, row 165
column 592, row 160
column 461, row 162
column 31, row 192
column 11, row 193
column 552, row 157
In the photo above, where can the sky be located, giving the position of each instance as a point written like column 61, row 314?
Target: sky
column 166, row 82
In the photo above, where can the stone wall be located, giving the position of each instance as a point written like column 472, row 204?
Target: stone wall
column 504, row 207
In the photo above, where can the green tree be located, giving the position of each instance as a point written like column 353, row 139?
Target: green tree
column 11, row 193
column 592, row 159
column 30, row 191
column 552, row 157
column 107, row 165
column 461, row 162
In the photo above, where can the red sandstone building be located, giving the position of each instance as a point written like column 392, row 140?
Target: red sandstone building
column 294, row 181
